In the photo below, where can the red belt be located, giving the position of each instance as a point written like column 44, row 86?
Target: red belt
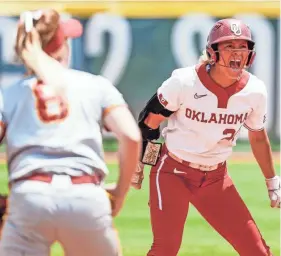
column 48, row 177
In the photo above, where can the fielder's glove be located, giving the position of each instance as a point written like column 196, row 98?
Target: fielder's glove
column 273, row 186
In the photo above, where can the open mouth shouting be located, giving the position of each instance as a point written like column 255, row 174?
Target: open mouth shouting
column 235, row 64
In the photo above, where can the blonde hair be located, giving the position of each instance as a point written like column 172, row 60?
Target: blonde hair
column 50, row 71
column 45, row 22
column 204, row 58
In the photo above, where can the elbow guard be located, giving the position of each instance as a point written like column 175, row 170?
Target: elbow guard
column 153, row 106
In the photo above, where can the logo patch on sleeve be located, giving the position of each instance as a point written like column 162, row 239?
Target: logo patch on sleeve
column 162, row 100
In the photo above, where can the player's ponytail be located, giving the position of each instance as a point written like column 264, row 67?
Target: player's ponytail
column 203, row 58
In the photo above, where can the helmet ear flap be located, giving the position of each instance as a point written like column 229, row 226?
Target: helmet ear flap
column 252, row 54
column 251, row 58
column 213, row 56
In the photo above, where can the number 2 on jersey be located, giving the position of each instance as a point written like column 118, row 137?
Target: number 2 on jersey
column 231, row 134
column 50, row 106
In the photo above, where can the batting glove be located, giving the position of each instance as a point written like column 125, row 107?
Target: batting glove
column 138, row 177
column 273, row 186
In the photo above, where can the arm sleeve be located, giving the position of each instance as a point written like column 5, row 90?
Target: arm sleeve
column 169, row 93
column 257, row 118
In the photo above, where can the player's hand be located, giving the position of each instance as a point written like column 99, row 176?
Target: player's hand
column 32, row 49
column 138, row 176
column 273, row 186
column 115, row 198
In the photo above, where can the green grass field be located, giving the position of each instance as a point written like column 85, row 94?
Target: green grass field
column 199, row 238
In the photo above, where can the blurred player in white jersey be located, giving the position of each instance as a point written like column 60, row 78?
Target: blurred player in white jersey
column 206, row 105
column 52, row 121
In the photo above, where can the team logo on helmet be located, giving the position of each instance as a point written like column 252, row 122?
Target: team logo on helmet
column 235, row 28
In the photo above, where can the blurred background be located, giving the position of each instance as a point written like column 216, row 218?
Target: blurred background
column 137, row 44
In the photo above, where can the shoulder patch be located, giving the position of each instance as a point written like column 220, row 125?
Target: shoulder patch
column 162, row 100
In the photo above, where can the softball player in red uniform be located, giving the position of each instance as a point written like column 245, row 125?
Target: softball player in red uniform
column 206, row 105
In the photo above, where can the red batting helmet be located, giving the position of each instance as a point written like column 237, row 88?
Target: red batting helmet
column 226, row 30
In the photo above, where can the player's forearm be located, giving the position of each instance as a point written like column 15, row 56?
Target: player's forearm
column 262, row 151
column 129, row 152
column 121, row 122
column 154, row 120
column 49, row 70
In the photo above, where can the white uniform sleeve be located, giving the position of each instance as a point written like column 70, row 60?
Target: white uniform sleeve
column 111, row 97
column 257, row 118
column 169, row 93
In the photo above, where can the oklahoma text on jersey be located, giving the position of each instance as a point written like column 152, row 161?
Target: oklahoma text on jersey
column 215, row 117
